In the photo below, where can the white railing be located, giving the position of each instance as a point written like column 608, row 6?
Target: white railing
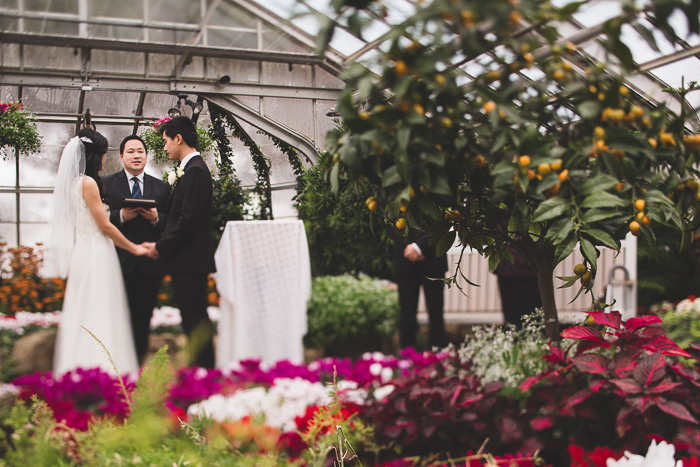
column 481, row 305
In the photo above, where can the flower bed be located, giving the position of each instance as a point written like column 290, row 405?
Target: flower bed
column 611, row 387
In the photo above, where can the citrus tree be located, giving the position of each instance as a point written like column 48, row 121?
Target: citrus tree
column 480, row 122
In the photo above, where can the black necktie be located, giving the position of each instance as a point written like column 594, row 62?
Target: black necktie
column 136, row 189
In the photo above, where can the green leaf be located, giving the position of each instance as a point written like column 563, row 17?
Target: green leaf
column 445, row 242
column 559, row 230
column 565, row 248
column 335, row 170
column 324, row 35
column 568, row 281
column 550, row 209
column 590, row 253
column 596, row 184
column 595, row 215
column 588, row 109
column 603, row 238
column 603, row 199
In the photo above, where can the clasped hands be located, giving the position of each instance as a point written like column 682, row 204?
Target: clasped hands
column 151, row 250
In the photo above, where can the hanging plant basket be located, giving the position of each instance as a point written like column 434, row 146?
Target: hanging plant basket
column 18, row 129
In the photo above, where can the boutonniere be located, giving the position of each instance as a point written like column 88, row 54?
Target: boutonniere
column 174, row 175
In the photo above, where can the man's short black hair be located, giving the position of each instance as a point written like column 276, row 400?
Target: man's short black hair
column 182, row 126
column 129, row 138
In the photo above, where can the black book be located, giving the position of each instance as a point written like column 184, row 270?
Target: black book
column 138, row 203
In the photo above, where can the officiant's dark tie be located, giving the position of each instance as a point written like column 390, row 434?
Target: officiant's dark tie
column 136, row 189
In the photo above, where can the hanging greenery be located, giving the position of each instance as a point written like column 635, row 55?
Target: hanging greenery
column 18, row 129
column 154, row 141
column 291, row 153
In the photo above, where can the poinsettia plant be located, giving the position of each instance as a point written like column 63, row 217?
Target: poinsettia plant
column 618, row 385
column 18, row 129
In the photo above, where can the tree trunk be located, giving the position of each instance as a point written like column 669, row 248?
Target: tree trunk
column 542, row 258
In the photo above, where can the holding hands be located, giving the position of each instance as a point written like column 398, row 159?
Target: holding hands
column 151, row 249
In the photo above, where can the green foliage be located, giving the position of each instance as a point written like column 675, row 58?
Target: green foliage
column 506, row 354
column 154, row 141
column 344, row 236
column 18, row 129
column 228, row 203
column 345, row 308
column 681, row 321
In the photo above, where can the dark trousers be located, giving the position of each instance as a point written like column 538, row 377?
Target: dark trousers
column 191, row 295
column 142, row 293
column 409, row 291
column 519, row 297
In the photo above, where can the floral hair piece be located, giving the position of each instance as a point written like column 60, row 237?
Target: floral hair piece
column 85, row 139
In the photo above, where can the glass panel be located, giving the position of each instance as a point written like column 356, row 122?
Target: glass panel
column 122, row 9
column 8, row 232
column 237, row 70
column 51, row 100
column 175, row 11
column 59, row 58
column 9, row 4
column 8, row 93
column 230, row 16
column 8, row 172
column 8, row 212
column 293, row 113
column 132, row 33
column 111, row 102
column 9, row 24
column 46, row 26
column 118, row 61
column 34, row 207
column 237, row 39
column 156, row 106
column 279, row 41
column 171, row 36
column 282, row 204
column 31, row 234
column 39, row 169
column 64, row 6
column 287, row 74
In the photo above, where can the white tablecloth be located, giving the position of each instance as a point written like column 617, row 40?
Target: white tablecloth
column 264, row 279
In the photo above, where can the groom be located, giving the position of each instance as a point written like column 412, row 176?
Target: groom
column 186, row 247
column 142, row 275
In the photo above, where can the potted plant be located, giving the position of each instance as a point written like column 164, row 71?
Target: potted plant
column 18, row 129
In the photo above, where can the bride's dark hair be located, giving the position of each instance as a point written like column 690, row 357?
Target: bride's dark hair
column 93, row 155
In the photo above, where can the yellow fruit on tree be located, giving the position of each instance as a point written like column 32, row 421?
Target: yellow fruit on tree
column 400, row 67
column 580, row 269
column 564, row 175
column 646, row 220
column 586, row 279
column 369, row 200
column 439, row 79
column 401, row 223
column 639, row 204
column 524, row 161
column 489, row 106
column 543, row 168
column 372, row 206
column 479, row 161
column 635, row 228
column 556, row 165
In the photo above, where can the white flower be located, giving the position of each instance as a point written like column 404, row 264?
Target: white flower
column 658, row 455
column 175, row 174
column 381, row 392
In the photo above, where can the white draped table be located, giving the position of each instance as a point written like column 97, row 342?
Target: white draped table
column 264, row 280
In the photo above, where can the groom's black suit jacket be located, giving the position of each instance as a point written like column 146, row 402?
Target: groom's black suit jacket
column 138, row 230
column 186, row 246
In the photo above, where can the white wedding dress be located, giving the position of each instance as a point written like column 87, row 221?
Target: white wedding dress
column 95, row 298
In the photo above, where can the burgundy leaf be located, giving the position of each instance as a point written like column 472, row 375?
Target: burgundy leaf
column 556, row 354
column 584, row 346
column 623, row 362
column 541, row 423
column 666, row 346
column 677, row 410
column 583, row 333
column 627, row 385
column 642, row 403
column 652, row 368
column 579, row 397
column 688, row 373
column 640, row 321
column 591, row 363
column 664, row 385
column 624, row 421
column 612, row 320
column 596, row 384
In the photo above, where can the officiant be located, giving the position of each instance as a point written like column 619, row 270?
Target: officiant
column 139, row 221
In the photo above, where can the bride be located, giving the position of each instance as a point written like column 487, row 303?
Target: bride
column 81, row 247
